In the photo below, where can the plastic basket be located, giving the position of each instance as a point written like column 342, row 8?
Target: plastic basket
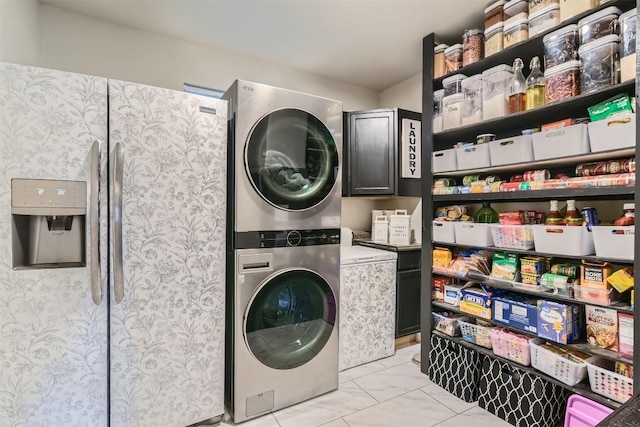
column 447, row 325
column 614, row 242
column 475, row 334
column 562, row 240
column 512, row 236
column 556, row 366
column 608, row 383
column 444, row 231
column 511, row 346
column 473, row 234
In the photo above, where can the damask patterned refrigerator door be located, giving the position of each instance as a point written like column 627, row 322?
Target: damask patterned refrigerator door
column 53, row 336
column 167, row 315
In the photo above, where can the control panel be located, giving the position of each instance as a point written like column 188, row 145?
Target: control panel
column 286, row 238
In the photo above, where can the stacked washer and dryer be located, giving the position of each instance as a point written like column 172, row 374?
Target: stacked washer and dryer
column 283, row 248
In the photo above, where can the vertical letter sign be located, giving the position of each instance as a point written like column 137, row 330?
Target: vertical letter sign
column 411, row 148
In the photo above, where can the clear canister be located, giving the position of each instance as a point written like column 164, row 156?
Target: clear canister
column 561, row 46
column 562, row 81
column 495, row 91
column 453, row 84
column 600, row 63
column 453, row 58
column 516, row 32
column 437, row 110
column 628, row 26
column 494, row 14
column 472, row 102
column 452, row 111
column 493, row 39
column 599, row 24
column 439, row 66
column 544, row 19
column 571, row 8
column 472, row 46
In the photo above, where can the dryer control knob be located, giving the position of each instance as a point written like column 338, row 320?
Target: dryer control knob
column 294, row 238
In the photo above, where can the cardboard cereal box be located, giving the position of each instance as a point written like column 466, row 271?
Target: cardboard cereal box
column 602, row 327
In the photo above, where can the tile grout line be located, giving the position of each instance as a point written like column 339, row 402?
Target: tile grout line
column 444, row 404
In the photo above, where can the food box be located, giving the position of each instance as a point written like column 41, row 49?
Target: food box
column 602, row 327
column 441, row 258
column 452, row 294
column 624, row 369
column 447, row 323
column 438, row 286
column 558, row 322
column 625, row 341
column 505, row 266
column 475, row 301
column 594, row 275
column 520, row 313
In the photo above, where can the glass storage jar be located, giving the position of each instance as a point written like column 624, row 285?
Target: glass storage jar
column 544, row 19
column 472, row 47
column 571, row 8
column 628, row 26
column 536, row 5
column 472, row 102
column 562, row 81
column 439, row 66
column 452, row 111
column 495, row 91
column 516, row 32
column 493, row 39
column 598, row 25
column 561, row 46
column 437, row 110
column 453, row 84
column 600, row 63
column 453, row 58
column 494, row 14
column 515, row 8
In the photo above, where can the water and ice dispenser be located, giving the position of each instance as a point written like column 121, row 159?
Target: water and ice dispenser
column 48, row 223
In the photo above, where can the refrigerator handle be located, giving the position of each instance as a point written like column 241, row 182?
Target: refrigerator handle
column 116, row 220
column 94, row 212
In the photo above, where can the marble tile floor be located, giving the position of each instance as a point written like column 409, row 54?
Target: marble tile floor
column 391, row 392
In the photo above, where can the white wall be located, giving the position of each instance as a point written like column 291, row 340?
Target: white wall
column 406, row 94
column 73, row 42
column 19, row 31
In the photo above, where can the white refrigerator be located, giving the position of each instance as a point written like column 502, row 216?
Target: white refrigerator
column 127, row 328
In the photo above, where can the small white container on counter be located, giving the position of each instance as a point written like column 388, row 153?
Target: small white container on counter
column 600, row 63
column 544, row 19
column 628, row 25
column 571, row 8
column 515, row 32
column 472, row 103
column 599, row 24
column 452, row 111
column 495, row 91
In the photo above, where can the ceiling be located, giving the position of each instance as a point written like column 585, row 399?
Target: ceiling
column 369, row 43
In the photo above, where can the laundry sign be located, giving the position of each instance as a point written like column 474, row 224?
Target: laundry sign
column 411, row 141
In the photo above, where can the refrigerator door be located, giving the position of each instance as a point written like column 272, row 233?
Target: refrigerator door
column 53, row 321
column 167, row 317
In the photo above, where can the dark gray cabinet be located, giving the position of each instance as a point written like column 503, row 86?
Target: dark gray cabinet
column 408, row 293
column 372, row 159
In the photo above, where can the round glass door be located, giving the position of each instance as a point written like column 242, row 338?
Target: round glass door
column 292, row 159
column 290, row 319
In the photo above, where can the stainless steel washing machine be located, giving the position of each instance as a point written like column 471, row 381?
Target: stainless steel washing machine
column 284, row 159
column 282, row 342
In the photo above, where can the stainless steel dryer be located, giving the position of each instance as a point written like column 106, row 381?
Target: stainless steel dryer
column 284, row 150
column 282, row 341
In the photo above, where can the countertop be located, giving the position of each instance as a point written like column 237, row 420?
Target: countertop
column 388, row 247
column 625, row 416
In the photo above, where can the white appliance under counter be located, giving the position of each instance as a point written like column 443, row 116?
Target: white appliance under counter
column 367, row 305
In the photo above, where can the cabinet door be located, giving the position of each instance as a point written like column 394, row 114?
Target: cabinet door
column 372, row 153
column 408, row 303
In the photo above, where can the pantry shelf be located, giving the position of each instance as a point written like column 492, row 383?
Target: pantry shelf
column 524, row 289
column 546, row 164
column 618, row 192
column 581, row 388
column 527, row 48
column 511, row 125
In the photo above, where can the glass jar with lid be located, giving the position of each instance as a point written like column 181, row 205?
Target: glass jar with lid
column 439, row 64
column 472, row 46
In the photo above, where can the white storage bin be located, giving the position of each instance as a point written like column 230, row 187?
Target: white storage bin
column 452, row 111
column 512, row 236
column 564, row 142
column 473, row 234
column 544, row 19
column 473, row 157
column 444, row 231
column 607, row 383
column 556, row 366
column 511, row 150
column 444, row 161
column 613, row 133
column 400, row 228
column 614, row 242
column 563, row 240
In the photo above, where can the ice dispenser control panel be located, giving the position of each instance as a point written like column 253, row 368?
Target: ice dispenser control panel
column 37, row 193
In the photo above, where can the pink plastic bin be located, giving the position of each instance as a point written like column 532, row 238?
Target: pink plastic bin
column 582, row 412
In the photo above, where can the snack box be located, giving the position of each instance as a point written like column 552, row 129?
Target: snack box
column 452, row 294
column 441, row 258
column 625, row 341
column 558, row 322
column 595, row 275
column 475, row 301
column 517, row 312
column 624, row 369
column 558, row 124
column 438, row 286
column 505, row 266
column 533, row 265
column 622, row 280
column 602, row 327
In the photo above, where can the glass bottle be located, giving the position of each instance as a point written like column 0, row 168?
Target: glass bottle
column 486, row 214
column 517, row 89
column 554, row 217
column 535, row 85
column 572, row 216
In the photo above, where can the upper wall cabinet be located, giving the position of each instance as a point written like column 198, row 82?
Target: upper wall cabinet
column 381, row 153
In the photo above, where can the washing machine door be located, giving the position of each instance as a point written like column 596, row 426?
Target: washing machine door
column 291, row 159
column 290, row 319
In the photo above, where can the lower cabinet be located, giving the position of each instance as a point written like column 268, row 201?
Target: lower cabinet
column 408, row 293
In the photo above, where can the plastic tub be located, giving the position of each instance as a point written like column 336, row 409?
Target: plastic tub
column 537, row 5
column 563, row 81
column 453, row 58
column 453, row 84
column 494, row 39
column 614, row 241
column 605, row 296
column 475, row 334
column 515, row 8
column 628, row 25
column 583, row 412
column 437, row 110
column 511, row 346
column 599, row 24
column 473, row 234
column 472, row 104
column 563, row 240
column 444, row 231
column 556, row 366
column 542, row 20
column 448, row 324
column 439, row 65
column 494, row 13
column 495, row 90
column 515, row 32
column 452, row 111
column 613, row 133
column 511, row 150
column 564, row 142
column 571, row 8
column 561, row 46
column 444, row 161
column 473, row 157
column 599, row 63
column 512, row 236
column 607, row 383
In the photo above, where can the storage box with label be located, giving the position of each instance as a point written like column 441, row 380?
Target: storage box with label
column 452, row 294
column 441, row 258
column 520, row 313
column 625, row 342
column 602, row 327
column 438, row 285
column 594, row 275
column 475, row 301
column 558, row 322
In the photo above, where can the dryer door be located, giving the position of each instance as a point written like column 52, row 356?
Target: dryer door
column 291, row 159
column 290, row 319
